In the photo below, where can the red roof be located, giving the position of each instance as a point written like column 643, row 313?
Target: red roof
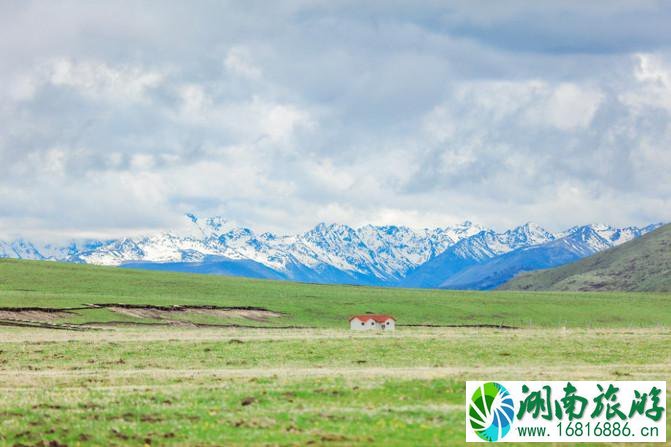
column 377, row 318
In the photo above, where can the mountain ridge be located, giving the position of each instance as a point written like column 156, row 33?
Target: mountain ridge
column 641, row 264
column 386, row 255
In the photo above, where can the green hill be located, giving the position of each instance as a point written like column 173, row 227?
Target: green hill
column 51, row 285
column 643, row 264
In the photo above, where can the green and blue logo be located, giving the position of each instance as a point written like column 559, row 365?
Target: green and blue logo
column 491, row 411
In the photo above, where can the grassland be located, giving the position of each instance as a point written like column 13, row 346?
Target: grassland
column 167, row 383
column 54, row 285
column 286, row 387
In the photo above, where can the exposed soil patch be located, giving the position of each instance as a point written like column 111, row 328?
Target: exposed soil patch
column 43, row 325
column 33, row 314
column 185, row 324
column 45, row 317
column 169, row 312
column 38, row 317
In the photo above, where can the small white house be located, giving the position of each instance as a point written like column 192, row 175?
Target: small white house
column 369, row 321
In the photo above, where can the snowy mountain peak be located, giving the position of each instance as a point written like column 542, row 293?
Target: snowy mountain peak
column 532, row 227
column 212, row 226
column 328, row 252
column 531, row 234
column 324, row 228
column 24, row 249
column 465, row 229
column 219, row 225
column 601, row 236
column 600, row 227
column 268, row 237
column 467, row 225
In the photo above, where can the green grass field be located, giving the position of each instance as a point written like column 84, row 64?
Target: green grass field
column 55, row 285
column 302, row 378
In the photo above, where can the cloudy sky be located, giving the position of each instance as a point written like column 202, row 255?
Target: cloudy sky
column 119, row 117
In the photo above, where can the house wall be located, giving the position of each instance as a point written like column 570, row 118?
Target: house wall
column 356, row 325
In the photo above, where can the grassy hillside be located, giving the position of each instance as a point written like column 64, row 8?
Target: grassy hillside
column 643, row 264
column 55, row 285
column 178, row 385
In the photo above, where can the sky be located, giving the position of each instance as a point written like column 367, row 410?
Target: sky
column 117, row 118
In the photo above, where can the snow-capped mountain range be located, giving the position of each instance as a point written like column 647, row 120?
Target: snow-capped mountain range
column 333, row 253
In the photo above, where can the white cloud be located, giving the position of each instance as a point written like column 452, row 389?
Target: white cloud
column 239, row 61
column 569, row 106
column 653, row 88
column 565, row 106
column 250, row 120
column 22, row 88
column 100, row 80
column 279, row 121
column 280, row 115
column 651, row 69
column 142, row 162
column 195, row 104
